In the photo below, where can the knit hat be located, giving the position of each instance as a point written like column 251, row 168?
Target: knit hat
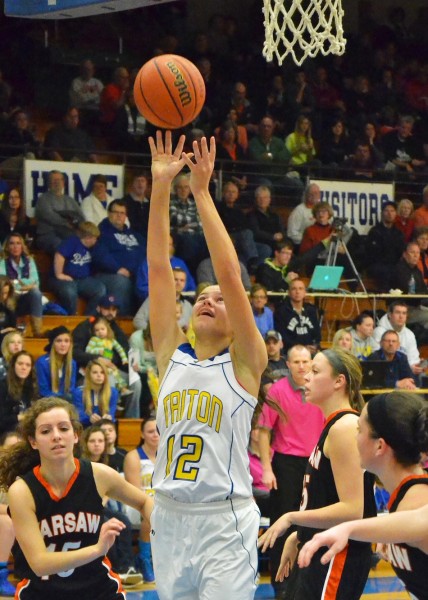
column 53, row 334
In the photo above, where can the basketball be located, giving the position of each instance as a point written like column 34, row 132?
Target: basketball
column 169, row 91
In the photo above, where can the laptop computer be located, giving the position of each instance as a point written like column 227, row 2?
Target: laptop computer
column 325, row 278
column 374, row 374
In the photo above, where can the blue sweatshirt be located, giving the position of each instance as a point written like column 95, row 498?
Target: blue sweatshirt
column 118, row 249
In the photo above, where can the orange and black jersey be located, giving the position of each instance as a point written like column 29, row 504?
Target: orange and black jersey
column 68, row 523
column 410, row 564
column 346, row 574
column 319, row 488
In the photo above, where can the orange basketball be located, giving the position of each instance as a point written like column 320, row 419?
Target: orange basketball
column 169, row 91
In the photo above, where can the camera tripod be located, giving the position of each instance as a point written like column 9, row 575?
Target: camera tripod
column 333, row 250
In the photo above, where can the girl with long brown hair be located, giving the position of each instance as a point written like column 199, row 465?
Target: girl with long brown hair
column 55, row 502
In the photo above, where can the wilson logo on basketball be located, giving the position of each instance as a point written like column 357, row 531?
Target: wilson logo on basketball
column 180, row 83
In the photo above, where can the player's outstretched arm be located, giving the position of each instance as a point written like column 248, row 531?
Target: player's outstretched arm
column 248, row 349
column 167, row 162
column 409, row 527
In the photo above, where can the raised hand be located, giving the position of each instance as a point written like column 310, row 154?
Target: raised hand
column 166, row 163
column 202, row 165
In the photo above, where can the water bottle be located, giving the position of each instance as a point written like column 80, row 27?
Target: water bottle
column 412, row 285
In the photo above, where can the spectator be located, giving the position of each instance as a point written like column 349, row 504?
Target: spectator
column 370, row 135
column 19, row 143
column 363, row 163
column 142, row 277
column 396, row 319
column 242, row 136
column 117, row 254
column 320, row 230
column 103, row 343
column 260, row 492
column 408, row 278
column 185, row 224
column 405, row 220
column 107, row 308
column 141, row 340
column 421, row 238
column 137, row 203
column 73, row 273
column 113, row 97
column 302, row 216
column 403, row 152
column 297, row 320
column 276, row 273
column 85, row 90
column 20, row 268
column 273, row 157
column 335, row 147
column 292, row 439
column 7, row 307
column 141, row 319
column 277, row 364
column 342, row 339
column 399, row 374
column 18, row 391
column 94, row 449
column 69, row 142
column 265, row 224
column 94, row 207
column 12, row 343
column 363, row 342
column 300, row 143
column 328, row 102
column 115, row 454
column 421, row 213
column 130, row 128
column 236, row 222
column 138, row 468
column 13, row 217
column 263, row 315
column 243, row 106
column 56, row 370
column 384, row 246
column 57, row 214
column 95, row 399
column 229, row 149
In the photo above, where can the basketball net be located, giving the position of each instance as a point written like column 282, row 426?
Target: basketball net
column 304, row 29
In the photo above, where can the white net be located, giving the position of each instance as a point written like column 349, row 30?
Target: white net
column 304, row 28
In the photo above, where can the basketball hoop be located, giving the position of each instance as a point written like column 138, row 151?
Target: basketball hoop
column 304, row 29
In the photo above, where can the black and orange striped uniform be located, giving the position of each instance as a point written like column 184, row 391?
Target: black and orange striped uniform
column 68, row 523
column 410, row 564
column 346, row 574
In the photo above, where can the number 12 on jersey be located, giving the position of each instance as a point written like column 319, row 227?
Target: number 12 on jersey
column 186, row 467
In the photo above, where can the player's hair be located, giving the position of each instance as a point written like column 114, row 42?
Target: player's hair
column 344, row 363
column 6, row 341
column 84, row 443
column 21, row 458
column 105, row 393
column 401, row 419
